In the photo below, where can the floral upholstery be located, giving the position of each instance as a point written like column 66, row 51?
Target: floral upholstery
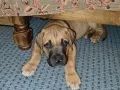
column 41, row 7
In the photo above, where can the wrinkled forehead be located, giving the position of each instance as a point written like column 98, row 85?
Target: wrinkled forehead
column 55, row 34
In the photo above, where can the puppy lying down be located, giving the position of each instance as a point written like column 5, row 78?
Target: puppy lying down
column 57, row 41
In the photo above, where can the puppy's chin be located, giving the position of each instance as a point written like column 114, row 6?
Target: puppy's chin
column 52, row 64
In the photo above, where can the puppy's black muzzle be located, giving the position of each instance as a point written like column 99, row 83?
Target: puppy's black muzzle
column 57, row 59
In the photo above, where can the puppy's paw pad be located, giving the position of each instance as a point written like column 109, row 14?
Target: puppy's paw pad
column 27, row 74
column 73, row 81
column 28, row 69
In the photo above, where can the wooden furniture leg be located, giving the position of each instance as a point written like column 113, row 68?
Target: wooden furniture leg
column 22, row 34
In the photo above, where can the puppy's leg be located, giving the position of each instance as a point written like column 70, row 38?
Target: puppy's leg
column 89, row 33
column 96, row 32
column 30, row 67
column 71, row 76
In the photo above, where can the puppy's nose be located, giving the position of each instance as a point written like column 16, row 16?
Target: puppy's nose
column 58, row 58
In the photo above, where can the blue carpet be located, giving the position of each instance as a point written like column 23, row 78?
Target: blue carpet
column 98, row 65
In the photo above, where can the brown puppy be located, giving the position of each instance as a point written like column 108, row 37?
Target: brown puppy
column 57, row 41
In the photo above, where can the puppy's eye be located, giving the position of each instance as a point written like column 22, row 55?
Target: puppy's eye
column 48, row 45
column 64, row 42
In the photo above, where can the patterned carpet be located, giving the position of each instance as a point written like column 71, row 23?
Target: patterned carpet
column 98, row 65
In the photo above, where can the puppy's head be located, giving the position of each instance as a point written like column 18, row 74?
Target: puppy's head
column 55, row 41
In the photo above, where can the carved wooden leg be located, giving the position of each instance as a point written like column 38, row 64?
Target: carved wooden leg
column 22, row 34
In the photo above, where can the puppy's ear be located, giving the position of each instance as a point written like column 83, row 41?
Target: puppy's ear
column 72, row 35
column 39, row 39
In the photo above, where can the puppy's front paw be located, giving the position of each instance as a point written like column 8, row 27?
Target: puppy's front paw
column 95, row 39
column 29, row 69
column 89, row 33
column 73, row 81
column 97, row 36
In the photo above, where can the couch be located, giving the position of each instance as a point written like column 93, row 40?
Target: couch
column 16, row 12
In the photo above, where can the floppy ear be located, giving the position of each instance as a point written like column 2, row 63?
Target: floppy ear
column 39, row 39
column 72, row 35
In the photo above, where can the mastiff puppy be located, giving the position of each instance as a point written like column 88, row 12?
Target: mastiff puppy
column 57, row 41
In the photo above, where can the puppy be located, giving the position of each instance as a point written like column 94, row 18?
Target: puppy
column 57, row 41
